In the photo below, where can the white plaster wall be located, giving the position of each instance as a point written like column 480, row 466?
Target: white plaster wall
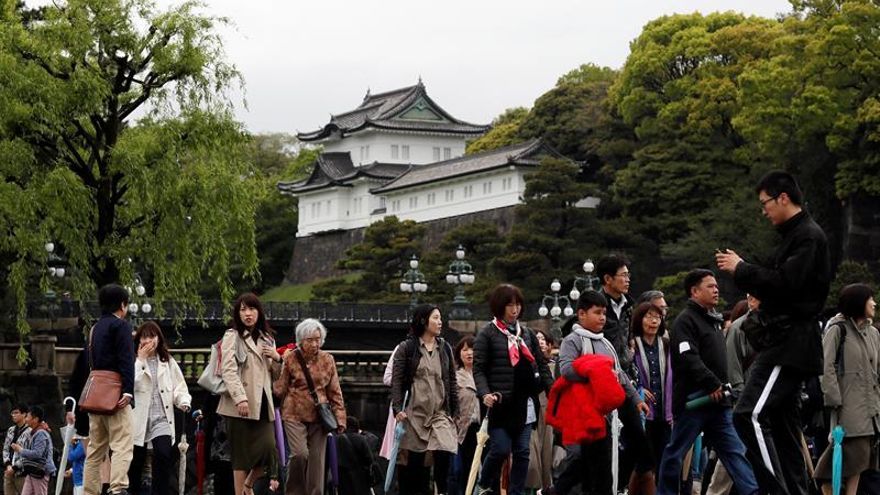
column 507, row 186
column 421, row 147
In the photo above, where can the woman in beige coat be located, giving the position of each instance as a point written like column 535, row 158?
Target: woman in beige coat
column 851, row 385
column 249, row 364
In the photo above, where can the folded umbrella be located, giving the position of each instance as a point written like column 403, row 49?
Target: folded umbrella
column 333, row 462
column 616, row 425
column 182, row 446
column 482, row 438
column 66, row 437
column 399, row 430
column 279, row 438
column 837, row 459
column 200, row 451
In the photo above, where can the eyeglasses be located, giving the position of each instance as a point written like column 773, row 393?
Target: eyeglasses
column 625, row 275
column 654, row 317
column 764, row 202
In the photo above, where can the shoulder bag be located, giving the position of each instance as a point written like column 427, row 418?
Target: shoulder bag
column 103, row 388
column 211, row 378
column 325, row 414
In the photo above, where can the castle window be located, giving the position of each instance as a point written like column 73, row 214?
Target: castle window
column 450, row 195
column 404, row 150
column 367, row 152
column 413, row 202
column 487, row 187
column 507, row 184
column 436, row 154
column 395, row 205
column 447, row 153
column 432, row 198
column 395, row 151
column 468, row 191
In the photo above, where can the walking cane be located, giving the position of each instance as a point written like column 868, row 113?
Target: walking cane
column 66, row 437
column 837, row 459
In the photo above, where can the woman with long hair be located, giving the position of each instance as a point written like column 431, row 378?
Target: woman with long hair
column 249, row 364
column 654, row 367
column 849, row 383
column 306, row 436
column 424, row 368
column 159, row 387
column 540, row 474
column 509, row 371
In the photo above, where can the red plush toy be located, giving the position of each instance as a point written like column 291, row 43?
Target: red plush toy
column 578, row 410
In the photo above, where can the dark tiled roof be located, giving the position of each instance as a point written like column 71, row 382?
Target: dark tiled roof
column 528, row 153
column 383, row 110
column 337, row 169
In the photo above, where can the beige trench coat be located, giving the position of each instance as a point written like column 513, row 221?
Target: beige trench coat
column 250, row 381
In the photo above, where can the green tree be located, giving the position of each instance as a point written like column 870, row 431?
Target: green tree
column 679, row 92
column 552, row 231
column 482, row 242
column 573, row 117
column 381, row 258
column 504, row 132
column 848, row 272
column 277, row 157
column 171, row 192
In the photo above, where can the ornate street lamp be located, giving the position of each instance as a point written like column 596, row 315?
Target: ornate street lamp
column 413, row 281
column 557, row 309
column 137, row 293
column 588, row 282
column 460, row 273
column 56, row 268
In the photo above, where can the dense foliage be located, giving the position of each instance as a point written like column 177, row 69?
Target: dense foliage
column 674, row 141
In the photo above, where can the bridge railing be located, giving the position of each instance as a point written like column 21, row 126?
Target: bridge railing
column 354, row 367
column 360, row 367
column 214, row 311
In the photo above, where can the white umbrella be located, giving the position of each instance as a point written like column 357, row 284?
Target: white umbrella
column 615, row 446
column 482, row 438
column 183, row 447
column 66, row 437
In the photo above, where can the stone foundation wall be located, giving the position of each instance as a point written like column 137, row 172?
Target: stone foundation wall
column 314, row 257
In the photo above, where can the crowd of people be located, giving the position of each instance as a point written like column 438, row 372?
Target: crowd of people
column 629, row 400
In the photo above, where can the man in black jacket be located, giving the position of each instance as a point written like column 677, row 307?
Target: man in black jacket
column 699, row 368
column 111, row 349
column 792, row 288
column 636, row 464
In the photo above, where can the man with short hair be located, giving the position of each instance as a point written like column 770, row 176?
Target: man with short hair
column 656, row 298
column 792, row 288
column 636, row 465
column 699, row 368
column 36, row 454
column 13, row 482
column 111, row 349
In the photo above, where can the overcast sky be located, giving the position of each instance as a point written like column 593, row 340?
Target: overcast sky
column 303, row 60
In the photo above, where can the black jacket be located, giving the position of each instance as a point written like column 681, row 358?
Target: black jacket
column 616, row 330
column 699, row 355
column 795, row 284
column 493, row 373
column 355, row 464
column 113, row 350
column 406, row 362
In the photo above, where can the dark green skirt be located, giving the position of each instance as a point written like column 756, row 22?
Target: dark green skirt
column 252, row 443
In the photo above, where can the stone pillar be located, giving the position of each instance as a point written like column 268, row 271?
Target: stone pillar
column 43, row 351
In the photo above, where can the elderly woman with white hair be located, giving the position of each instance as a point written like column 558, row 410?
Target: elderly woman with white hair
column 308, row 375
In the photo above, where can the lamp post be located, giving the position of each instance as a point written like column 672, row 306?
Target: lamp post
column 556, row 309
column 137, row 293
column 56, row 268
column 413, row 281
column 460, row 273
column 589, row 282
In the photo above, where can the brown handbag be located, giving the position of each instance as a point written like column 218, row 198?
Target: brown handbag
column 102, row 390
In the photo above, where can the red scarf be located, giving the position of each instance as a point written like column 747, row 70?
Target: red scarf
column 515, row 344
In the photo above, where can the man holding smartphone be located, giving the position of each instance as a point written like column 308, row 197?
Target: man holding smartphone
column 792, row 289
